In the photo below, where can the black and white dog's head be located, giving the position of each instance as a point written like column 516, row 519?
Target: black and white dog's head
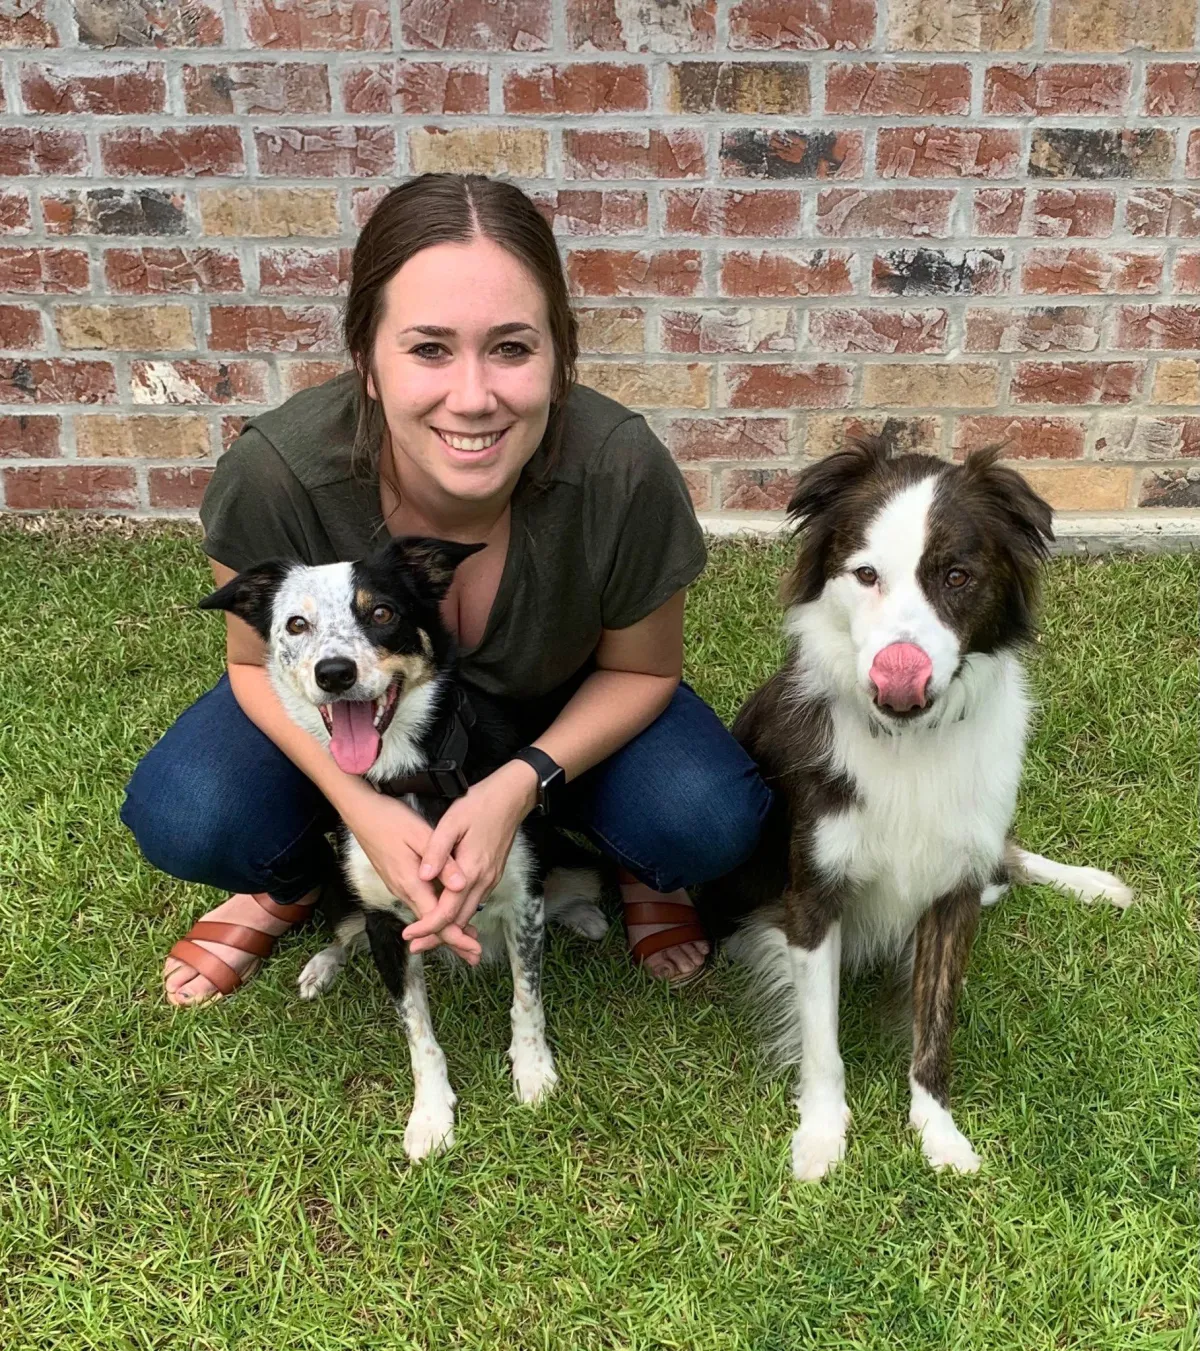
column 907, row 567
column 355, row 650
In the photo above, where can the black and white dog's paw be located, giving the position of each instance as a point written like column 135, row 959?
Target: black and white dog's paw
column 320, row 972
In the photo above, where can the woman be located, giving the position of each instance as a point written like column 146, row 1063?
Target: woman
column 461, row 420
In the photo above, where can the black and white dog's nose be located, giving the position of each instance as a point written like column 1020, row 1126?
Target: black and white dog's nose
column 335, row 674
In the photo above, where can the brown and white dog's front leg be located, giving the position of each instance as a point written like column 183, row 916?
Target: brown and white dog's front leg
column 943, row 945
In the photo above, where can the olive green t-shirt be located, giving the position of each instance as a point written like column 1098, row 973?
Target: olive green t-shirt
column 598, row 541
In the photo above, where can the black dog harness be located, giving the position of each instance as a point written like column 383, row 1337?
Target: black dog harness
column 444, row 777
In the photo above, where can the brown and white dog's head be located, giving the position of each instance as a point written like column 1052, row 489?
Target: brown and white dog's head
column 908, row 566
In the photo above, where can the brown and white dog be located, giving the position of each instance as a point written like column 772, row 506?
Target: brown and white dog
column 893, row 739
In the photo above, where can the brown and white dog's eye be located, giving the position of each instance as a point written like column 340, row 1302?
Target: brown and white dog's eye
column 957, row 577
column 867, row 576
column 297, row 624
column 382, row 614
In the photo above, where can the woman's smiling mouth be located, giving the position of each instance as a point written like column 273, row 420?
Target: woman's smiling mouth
column 470, row 445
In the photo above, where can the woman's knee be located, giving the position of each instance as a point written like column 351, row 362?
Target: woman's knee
column 706, row 831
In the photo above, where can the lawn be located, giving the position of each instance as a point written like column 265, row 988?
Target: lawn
column 235, row 1176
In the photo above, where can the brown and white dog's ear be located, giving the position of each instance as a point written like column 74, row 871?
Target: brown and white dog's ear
column 250, row 594
column 1007, row 493
column 433, row 560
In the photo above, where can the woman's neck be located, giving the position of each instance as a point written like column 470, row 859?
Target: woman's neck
column 412, row 505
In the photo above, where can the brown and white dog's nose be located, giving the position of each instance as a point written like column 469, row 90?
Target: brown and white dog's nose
column 335, row 675
column 900, row 674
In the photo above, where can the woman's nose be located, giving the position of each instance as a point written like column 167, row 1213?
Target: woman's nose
column 470, row 393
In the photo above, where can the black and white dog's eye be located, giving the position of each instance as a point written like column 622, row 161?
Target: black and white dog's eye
column 957, row 577
column 297, row 624
column 867, row 576
column 382, row 614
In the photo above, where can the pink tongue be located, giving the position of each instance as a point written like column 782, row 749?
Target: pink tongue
column 900, row 673
column 354, row 742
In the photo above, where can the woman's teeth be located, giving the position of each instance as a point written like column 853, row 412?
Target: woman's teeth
column 471, row 442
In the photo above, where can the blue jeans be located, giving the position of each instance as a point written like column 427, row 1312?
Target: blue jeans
column 217, row 802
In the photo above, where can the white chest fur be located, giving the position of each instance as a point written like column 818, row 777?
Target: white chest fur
column 933, row 805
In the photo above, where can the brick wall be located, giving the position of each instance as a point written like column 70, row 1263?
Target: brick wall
column 958, row 220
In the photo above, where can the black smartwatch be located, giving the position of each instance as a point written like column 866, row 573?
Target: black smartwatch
column 551, row 777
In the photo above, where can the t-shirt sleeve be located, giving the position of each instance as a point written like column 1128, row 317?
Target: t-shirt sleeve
column 255, row 508
column 644, row 537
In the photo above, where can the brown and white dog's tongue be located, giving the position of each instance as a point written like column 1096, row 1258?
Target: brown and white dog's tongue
column 354, row 741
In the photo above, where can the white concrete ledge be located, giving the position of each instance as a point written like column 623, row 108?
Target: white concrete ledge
column 1146, row 531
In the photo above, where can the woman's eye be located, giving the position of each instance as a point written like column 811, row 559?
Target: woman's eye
column 297, row 624
column 382, row 614
column 957, row 577
column 428, row 351
column 513, row 349
column 867, row 576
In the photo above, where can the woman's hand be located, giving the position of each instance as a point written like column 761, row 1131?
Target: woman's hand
column 395, row 839
column 477, row 832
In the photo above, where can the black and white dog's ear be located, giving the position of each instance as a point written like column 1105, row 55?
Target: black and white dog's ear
column 433, row 560
column 250, row 594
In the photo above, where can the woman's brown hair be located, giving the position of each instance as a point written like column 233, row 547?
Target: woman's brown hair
column 451, row 208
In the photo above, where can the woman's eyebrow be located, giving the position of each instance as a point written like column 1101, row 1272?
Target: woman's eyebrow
column 497, row 330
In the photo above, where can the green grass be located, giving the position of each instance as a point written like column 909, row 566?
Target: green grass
column 235, row 1177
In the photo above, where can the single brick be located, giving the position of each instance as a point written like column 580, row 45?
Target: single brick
column 303, row 272
column 74, row 487
column 476, row 25
column 593, row 211
column 1172, row 89
column 257, row 87
column 937, row 385
column 363, row 202
column 713, row 330
column 624, row 272
column 1023, row 438
column 578, row 87
column 1160, row 328
column 885, row 213
column 15, row 215
column 912, row 435
column 26, row 380
column 297, row 375
column 265, row 213
column 1045, row 328
column 758, row 489
column 947, row 152
column 42, row 152
column 621, row 330
column 274, row 328
column 172, row 436
column 26, row 26
column 1170, row 488
column 1177, row 380
column 1187, row 272
column 125, row 328
column 415, row 87
column 746, row 88
column 1093, row 152
column 44, row 271
column 29, row 436
column 752, row 153
column 196, row 382
column 634, row 154
column 1066, row 213
column 649, row 384
column 614, row 26
column 118, row 87
column 325, row 152
column 1056, row 90
column 516, row 151
column 1123, row 436
column 760, row 213
column 821, row 272
column 933, row 272
column 1152, row 212
column 786, row 385
column 1076, row 381
column 331, row 26
column 21, row 328
column 952, row 26
column 998, row 211
column 877, row 330
column 728, row 438
column 1191, row 165
column 181, row 486
column 699, row 484
column 1081, row 487
column 159, row 271
column 115, row 211
column 1079, row 271
column 149, row 23
column 802, row 25
column 1102, row 26
column 898, row 89
column 172, row 152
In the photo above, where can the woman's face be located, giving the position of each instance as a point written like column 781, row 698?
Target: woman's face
column 463, row 367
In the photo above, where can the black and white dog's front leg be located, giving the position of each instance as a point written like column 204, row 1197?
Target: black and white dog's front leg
column 431, row 1121
column 533, row 1072
column 943, row 945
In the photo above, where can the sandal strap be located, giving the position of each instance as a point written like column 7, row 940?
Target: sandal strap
column 291, row 914
column 240, row 936
column 659, row 912
column 667, row 938
column 208, row 964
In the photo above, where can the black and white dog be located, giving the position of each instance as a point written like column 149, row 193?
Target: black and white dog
column 360, row 657
column 893, row 737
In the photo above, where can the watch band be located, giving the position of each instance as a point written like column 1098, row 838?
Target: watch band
column 551, row 775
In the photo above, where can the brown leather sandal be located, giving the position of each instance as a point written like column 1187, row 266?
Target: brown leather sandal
column 685, row 928
column 240, row 936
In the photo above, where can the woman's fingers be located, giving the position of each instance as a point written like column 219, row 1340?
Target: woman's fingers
column 437, row 860
column 437, row 919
